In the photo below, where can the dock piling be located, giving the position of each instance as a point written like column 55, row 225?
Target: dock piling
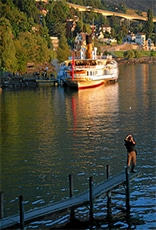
column 72, row 214
column 91, row 199
column 109, row 211
column 127, row 193
column 84, row 198
column 108, row 171
column 70, row 185
column 21, row 208
column 1, row 206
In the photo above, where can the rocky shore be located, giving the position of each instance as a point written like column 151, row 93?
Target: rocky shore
column 13, row 82
column 142, row 60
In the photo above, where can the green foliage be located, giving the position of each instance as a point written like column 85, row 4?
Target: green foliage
column 25, row 33
column 105, row 53
column 63, row 51
column 8, row 59
column 79, row 28
column 149, row 24
column 123, row 8
column 137, row 53
column 21, row 56
column 153, row 53
column 20, row 44
column 129, row 54
column 17, row 19
column 56, row 19
column 28, row 7
column 35, row 47
column 147, row 53
column 118, row 54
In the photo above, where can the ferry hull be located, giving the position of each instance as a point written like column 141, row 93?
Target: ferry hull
column 84, row 85
column 81, row 84
column 89, row 83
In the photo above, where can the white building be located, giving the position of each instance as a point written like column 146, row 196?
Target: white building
column 140, row 39
column 55, row 42
column 106, row 29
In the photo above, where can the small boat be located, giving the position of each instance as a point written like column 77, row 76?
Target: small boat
column 88, row 72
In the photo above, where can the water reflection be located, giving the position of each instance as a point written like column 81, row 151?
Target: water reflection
column 88, row 107
column 49, row 133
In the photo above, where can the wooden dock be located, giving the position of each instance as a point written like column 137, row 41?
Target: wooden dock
column 47, row 82
column 70, row 203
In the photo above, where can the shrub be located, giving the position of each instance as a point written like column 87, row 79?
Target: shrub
column 129, row 54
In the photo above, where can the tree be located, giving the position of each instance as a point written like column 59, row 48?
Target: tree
column 79, row 28
column 149, row 24
column 8, row 61
column 137, row 53
column 21, row 56
column 43, row 53
column 123, row 8
column 63, row 50
column 18, row 20
column 34, row 47
column 129, row 54
column 56, row 19
column 29, row 8
column 115, row 24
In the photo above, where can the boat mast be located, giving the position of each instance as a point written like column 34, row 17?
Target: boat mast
column 73, row 65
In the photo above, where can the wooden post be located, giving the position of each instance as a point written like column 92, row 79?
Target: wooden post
column 70, row 185
column 72, row 216
column 108, row 171
column 91, row 199
column 21, row 208
column 1, row 206
column 127, row 193
column 109, row 211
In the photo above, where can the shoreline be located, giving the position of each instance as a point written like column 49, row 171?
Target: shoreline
column 29, row 81
column 141, row 60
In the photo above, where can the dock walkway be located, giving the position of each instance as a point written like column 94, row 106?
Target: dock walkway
column 73, row 202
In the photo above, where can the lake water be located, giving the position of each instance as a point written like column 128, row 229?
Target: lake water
column 48, row 133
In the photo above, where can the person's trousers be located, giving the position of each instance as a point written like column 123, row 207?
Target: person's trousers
column 131, row 158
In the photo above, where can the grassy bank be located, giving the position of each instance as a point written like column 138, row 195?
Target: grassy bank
column 134, row 56
column 140, row 53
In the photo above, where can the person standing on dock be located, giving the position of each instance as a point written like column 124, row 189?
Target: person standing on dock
column 131, row 152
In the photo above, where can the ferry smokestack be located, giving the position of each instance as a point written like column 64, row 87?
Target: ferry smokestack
column 89, row 46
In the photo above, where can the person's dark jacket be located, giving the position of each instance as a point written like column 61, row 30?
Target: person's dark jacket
column 129, row 146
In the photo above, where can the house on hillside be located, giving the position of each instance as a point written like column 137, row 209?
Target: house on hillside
column 106, row 29
column 129, row 38
column 80, row 40
column 46, row 1
column 55, row 42
column 149, row 45
column 140, row 39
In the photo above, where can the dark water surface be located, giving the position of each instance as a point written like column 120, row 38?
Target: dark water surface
column 49, row 133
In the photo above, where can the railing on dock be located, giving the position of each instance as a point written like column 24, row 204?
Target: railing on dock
column 72, row 202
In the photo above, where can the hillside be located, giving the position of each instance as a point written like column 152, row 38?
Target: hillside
column 142, row 5
column 115, row 5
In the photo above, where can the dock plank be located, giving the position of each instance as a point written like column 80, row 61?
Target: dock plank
column 73, row 202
